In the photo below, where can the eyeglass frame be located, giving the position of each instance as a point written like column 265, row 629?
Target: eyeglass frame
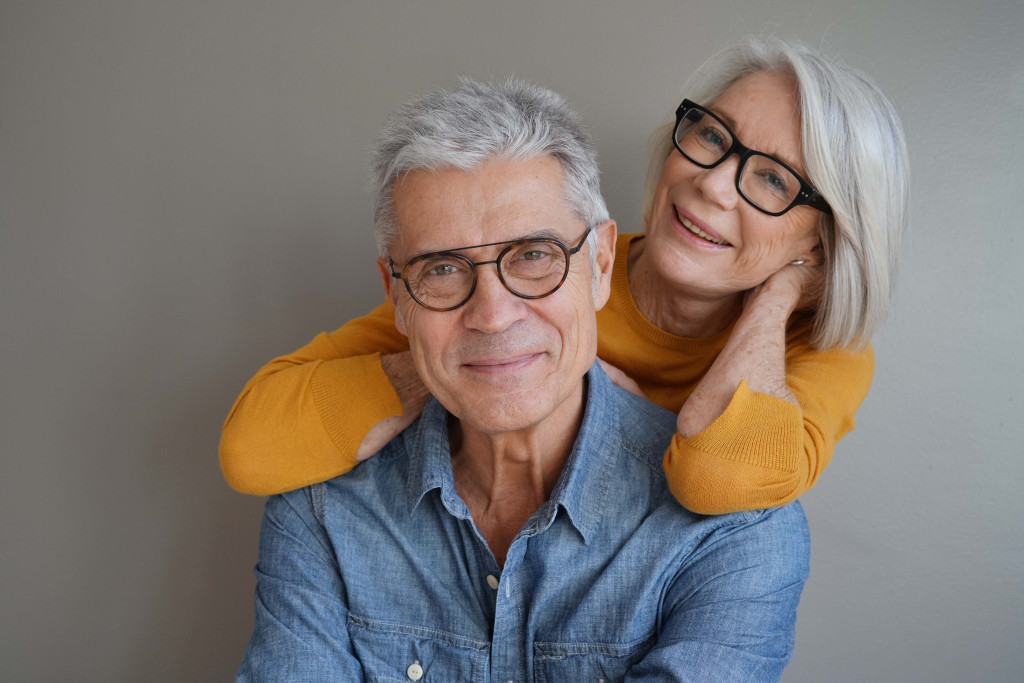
column 807, row 196
column 512, row 244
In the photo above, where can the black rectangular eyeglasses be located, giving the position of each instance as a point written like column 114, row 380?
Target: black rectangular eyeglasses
column 765, row 182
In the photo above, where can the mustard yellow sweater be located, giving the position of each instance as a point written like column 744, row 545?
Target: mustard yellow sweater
column 301, row 419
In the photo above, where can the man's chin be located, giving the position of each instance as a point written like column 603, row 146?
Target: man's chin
column 495, row 412
column 504, row 413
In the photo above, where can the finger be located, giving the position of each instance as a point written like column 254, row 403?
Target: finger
column 621, row 379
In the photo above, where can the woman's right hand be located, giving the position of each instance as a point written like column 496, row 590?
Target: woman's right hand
column 401, row 371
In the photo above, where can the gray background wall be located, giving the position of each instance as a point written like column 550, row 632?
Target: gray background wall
column 181, row 199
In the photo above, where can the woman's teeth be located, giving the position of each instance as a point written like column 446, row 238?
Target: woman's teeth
column 698, row 232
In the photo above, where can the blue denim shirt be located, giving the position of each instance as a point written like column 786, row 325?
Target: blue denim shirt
column 381, row 575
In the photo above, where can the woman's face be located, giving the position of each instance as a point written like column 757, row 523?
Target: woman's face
column 701, row 234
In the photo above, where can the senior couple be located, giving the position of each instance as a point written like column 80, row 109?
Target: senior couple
column 526, row 513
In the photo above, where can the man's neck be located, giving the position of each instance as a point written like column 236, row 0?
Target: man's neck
column 505, row 477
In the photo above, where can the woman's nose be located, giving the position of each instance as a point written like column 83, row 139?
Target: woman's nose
column 718, row 184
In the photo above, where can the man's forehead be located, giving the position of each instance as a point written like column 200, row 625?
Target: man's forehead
column 495, row 202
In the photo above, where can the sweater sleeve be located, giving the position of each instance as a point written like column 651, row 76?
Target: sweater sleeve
column 301, row 418
column 764, row 451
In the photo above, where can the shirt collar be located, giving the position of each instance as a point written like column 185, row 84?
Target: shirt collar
column 581, row 488
column 430, row 460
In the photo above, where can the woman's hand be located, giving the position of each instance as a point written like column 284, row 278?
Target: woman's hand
column 621, row 379
column 412, row 394
column 756, row 350
column 797, row 286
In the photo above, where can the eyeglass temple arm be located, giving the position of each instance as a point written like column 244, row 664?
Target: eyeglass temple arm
column 815, row 200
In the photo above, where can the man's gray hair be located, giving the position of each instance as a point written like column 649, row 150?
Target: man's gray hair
column 855, row 154
column 478, row 122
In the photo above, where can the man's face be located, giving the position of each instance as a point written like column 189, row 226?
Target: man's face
column 499, row 363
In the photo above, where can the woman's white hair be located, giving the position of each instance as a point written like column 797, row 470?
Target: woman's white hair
column 855, row 154
column 480, row 122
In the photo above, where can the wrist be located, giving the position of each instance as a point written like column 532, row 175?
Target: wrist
column 772, row 302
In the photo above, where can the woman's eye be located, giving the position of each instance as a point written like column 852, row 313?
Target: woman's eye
column 713, row 137
column 775, row 182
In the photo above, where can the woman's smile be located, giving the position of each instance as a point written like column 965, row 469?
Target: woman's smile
column 700, row 232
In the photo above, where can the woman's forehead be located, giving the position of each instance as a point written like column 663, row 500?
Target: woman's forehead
column 762, row 108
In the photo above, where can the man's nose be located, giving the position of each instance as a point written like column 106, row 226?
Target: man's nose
column 492, row 307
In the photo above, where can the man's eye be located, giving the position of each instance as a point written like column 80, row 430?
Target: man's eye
column 441, row 269
column 534, row 255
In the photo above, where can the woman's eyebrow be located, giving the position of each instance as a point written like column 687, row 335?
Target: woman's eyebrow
column 731, row 122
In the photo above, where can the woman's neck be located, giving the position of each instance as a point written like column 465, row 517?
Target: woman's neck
column 673, row 308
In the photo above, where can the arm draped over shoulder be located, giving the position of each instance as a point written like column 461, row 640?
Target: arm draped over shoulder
column 301, row 419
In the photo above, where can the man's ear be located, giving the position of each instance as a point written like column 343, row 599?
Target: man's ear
column 391, row 291
column 605, row 260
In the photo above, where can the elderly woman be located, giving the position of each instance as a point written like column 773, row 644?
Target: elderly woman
column 775, row 202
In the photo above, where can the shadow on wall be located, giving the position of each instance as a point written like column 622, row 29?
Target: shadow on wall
column 196, row 616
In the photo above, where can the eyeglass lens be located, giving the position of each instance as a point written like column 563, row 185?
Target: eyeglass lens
column 763, row 181
column 531, row 269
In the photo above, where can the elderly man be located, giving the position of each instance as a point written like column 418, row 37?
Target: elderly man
column 521, row 529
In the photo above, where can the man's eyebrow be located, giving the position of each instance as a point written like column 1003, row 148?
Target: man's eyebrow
column 543, row 234
column 537, row 234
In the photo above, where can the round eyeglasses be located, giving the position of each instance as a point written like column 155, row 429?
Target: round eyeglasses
column 767, row 183
column 530, row 269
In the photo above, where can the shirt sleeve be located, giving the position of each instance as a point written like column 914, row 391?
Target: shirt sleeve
column 731, row 612
column 301, row 631
column 763, row 451
column 301, row 419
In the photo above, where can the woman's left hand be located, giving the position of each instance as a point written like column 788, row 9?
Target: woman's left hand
column 755, row 352
column 621, row 379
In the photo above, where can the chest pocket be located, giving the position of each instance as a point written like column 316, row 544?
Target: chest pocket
column 587, row 662
column 399, row 653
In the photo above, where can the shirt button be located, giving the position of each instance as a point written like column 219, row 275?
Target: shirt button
column 492, row 581
column 414, row 672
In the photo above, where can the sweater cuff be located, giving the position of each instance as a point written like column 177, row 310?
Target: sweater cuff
column 352, row 395
column 756, row 429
